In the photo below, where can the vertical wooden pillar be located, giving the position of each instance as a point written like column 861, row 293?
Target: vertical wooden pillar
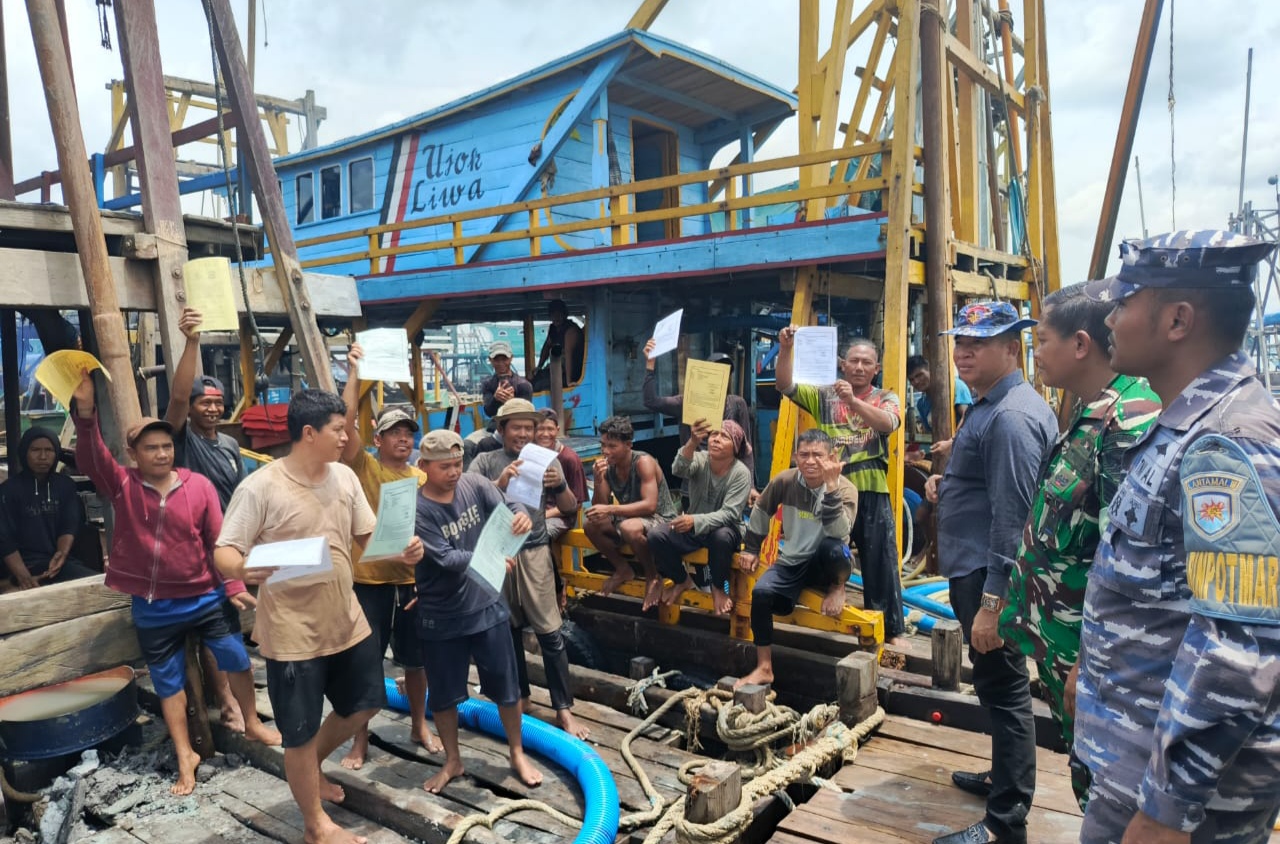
column 6, row 142
column 714, row 791
column 856, row 677
column 11, row 364
column 947, row 645
column 81, row 199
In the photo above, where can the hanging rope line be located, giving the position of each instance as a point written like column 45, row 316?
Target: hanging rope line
column 1173, row 161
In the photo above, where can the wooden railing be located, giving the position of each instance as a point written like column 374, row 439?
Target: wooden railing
column 616, row 200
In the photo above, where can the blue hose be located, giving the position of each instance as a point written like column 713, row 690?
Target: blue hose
column 915, row 597
column 600, row 820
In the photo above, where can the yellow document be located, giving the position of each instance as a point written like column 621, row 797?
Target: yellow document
column 59, row 373
column 706, row 385
column 209, row 292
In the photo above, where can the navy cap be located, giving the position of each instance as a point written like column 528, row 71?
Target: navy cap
column 207, row 385
column 1202, row 258
column 988, row 319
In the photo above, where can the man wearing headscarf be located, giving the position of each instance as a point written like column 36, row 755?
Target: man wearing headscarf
column 718, row 484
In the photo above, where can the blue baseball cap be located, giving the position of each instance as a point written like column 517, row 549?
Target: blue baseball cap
column 1201, row 258
column 988, row 319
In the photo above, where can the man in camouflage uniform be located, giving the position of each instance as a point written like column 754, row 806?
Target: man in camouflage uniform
column 1077, row 481
column 1177, row 710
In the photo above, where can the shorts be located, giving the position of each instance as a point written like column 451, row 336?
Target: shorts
column 530, row 591
column 384, row 608
column 352, row 680
column 448, row 662
column 650, row 522
column 232, row 612
column 164, row 648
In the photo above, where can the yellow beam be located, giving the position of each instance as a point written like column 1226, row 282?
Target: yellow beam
column 965, row 152
column 646, row 14
column 784, row 436
column 1049, row 197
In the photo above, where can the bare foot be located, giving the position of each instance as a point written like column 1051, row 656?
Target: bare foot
column 452, row 768
column 427, row 739
column 671, row 594
column 187, row 764
column 231, row 717
column 563, row 599
column 762, row 675
column 833, row 603
column 329, row 832
column 652, row 593
column 331, row 791
column 900, row 642
column 571, row 725
column 354, row 760
column 621, row 574
column 723, row 603
column 524, row 769
column 260, row 732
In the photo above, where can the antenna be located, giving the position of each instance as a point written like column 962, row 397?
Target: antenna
column 1244, row 144
column 1142, row 208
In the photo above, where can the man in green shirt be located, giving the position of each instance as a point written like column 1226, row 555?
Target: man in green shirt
column 1076, row 483
column 859, row 418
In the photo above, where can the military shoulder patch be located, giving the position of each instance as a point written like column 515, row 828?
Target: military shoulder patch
column 1213, row 500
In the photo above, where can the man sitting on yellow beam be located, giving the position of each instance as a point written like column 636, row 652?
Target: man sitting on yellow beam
column 818, row 507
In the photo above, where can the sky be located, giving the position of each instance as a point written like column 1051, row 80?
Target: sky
column 375, row 62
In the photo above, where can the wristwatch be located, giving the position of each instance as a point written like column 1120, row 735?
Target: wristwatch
column 992, row 602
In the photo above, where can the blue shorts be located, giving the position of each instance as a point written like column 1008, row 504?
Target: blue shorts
column 164, row 648
column 448, row 662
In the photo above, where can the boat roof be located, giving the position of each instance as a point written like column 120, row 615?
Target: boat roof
column 660, row 77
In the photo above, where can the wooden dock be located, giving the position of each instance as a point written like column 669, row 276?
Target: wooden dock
column 899, row 790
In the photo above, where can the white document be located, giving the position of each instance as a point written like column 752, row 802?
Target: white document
column 293, row 558
column 814, row 360
column 527, row 488
column 495, row 545
column 397, row 510
column 666, row 334
column 386, row 355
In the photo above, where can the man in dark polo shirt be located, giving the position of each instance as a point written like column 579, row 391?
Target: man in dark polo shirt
column 983, row 501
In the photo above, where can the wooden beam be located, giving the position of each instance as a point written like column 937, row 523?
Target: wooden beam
column 947, row 648
column 856, row 681
column 789, row 412
column 968, row 104
column 977, row 284
column 646, row 14
column 66, row 650
column 971, row 66
column 714, row 791
column 1049, row 201
column 253, row 146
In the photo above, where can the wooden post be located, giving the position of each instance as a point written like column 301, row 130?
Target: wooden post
column 947, row 647
column 157, row 172
column 82, row 202
column 715, row 791
column 12, row 393
column 856, row 677
column 6, row 143
column 641, row 667
column 257, row 158
column 726, row 684
column 197, row 707
column 753, row 697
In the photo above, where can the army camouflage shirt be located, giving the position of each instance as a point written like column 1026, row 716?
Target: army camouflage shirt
column 1077, row 480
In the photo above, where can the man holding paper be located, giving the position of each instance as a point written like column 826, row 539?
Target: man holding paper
column 384, row 587
column 530, row 589
column 177, row 591
column 735, row 407
column 310, row 628
column 461, row 613
column 859, row 418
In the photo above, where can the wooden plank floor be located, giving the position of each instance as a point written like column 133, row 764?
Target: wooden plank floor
column 899, row 790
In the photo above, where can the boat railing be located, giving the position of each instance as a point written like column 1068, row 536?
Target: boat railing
column 616, row 208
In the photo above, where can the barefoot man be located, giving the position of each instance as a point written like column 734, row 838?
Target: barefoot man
column 719, row 484
column 461, row 617
column 311, row 629
column 384, row 588
column 176, row 591
column 818, row 507
column 530, row 590
column 630, row 499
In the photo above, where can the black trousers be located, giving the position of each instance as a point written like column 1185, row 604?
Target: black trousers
column 877, row 545
column 668, row 546
column 555, row 658
column 1004, row 689
column 776, row 591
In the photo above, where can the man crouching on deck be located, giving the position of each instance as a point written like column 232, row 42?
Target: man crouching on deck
column 818, row 507
column 176, row 591
column 461, row 617
column 310, row 628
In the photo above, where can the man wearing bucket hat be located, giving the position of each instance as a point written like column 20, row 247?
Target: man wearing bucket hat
column 530, row 588
column 384, row 588
column 1177, row 715
column 983, row 501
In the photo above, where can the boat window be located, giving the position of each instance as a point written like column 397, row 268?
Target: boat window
column 306, row 198
column 330, row 192
column 360, row 185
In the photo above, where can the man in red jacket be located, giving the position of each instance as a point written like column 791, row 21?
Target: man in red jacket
column 166, row 523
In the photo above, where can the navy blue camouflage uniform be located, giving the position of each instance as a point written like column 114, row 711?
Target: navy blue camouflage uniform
column 1178, row 708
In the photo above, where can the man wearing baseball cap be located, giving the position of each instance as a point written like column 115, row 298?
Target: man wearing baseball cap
column 384, row 588
column 1177, row 715
column 982, row 503
column 461, row 617
column 504, row 384
column 530, row 588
